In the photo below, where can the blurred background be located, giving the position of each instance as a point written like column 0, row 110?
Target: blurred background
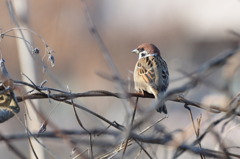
column 187, row 32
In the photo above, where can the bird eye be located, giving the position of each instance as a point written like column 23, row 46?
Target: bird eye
column 140, row 49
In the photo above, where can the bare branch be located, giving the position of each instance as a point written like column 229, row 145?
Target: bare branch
column 12, row 148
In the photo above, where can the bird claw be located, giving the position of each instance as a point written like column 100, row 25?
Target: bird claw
column 163, row 109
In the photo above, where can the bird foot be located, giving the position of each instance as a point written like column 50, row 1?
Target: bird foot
column 162, row 108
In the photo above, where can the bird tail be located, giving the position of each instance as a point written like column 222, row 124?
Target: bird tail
column 161, row 107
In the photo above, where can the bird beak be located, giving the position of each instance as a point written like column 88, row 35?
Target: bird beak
column 135, row 51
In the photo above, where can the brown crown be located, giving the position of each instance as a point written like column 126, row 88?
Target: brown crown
column 150, row 48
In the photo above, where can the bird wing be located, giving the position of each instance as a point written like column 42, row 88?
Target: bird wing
column 153, row 70
column 164, row 75
column 147, row 72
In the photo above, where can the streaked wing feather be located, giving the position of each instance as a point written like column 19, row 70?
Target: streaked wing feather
column 147, row 72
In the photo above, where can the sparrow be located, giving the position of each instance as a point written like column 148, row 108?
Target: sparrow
column 151, row 73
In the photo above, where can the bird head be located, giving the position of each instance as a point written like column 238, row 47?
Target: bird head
column 146, row 49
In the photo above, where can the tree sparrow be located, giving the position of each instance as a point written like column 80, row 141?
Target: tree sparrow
column 151, row 73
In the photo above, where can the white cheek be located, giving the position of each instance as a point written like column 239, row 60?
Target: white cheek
column 142, row 54
column 146, row 55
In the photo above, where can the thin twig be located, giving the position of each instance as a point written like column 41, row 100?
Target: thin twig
column 12, row 147
column 194, row 127
column 130, row 129
column 215, row 62
column 29, row 139
column 81, row 125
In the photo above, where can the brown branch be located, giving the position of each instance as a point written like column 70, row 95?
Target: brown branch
column 102, row 93
column 172, row 95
